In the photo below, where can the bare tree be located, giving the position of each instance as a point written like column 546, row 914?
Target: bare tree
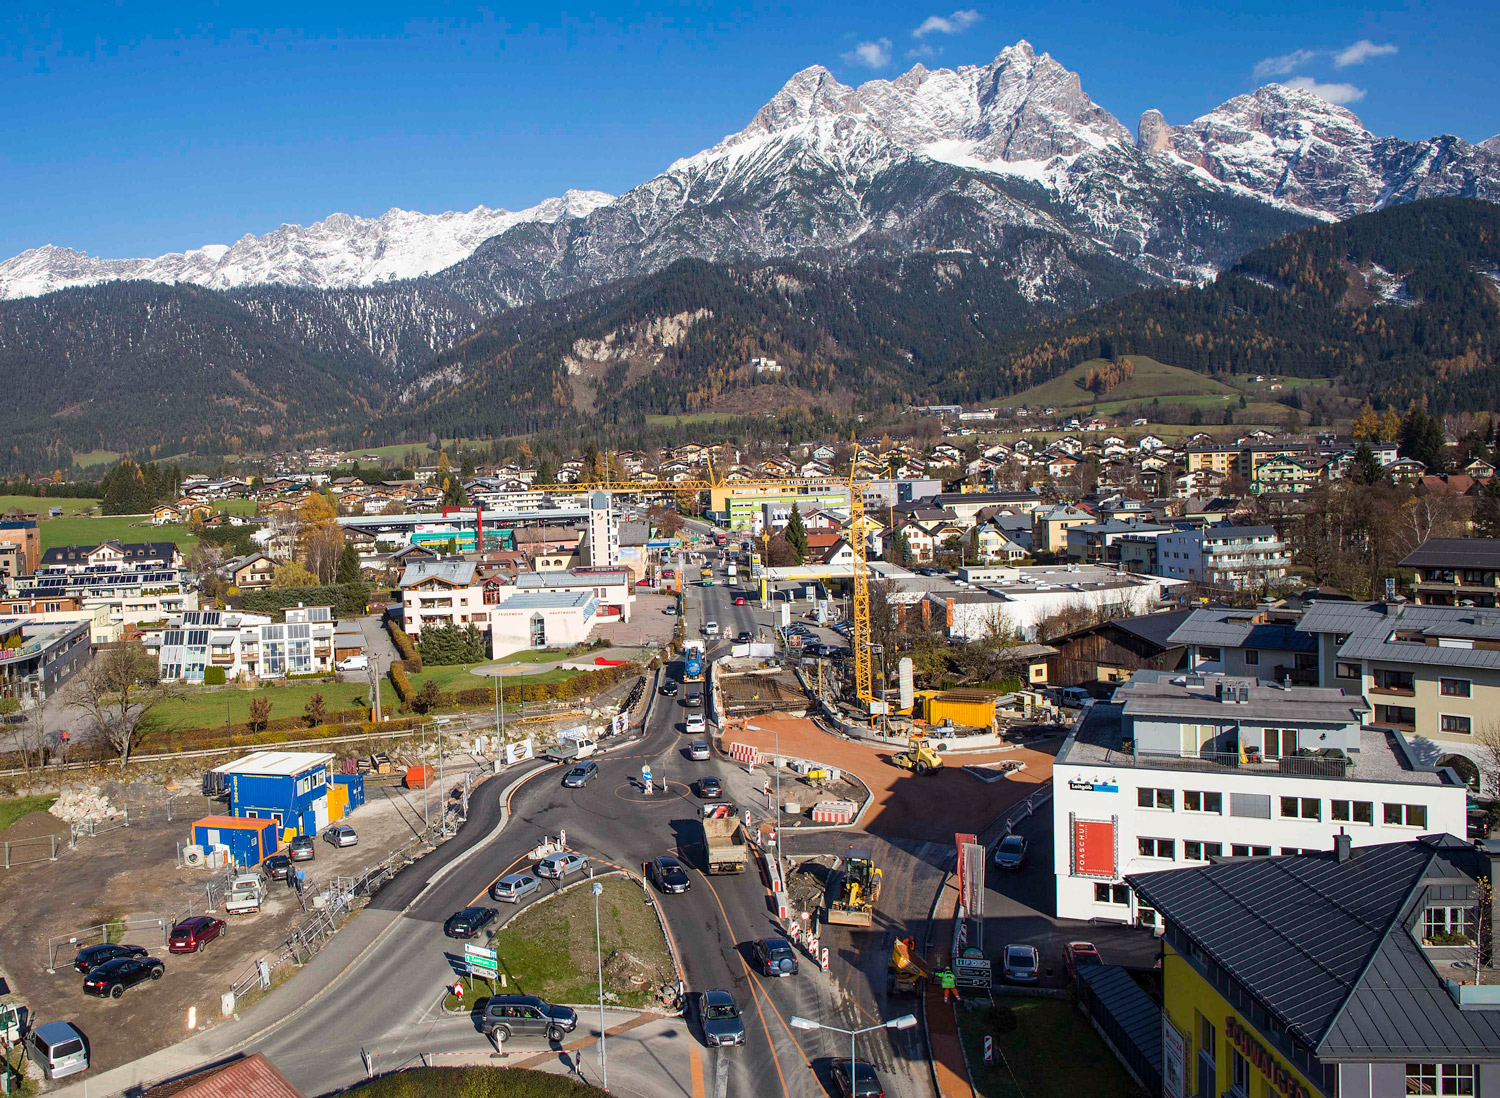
column 1487, row 748
column 120, row 692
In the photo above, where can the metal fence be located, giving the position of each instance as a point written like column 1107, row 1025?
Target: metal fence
column 43, row 848
column 64, row 946
column 181, row 806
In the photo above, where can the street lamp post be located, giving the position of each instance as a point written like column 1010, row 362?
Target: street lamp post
column 777, row 768
column 598, row 888
column 906, row 1021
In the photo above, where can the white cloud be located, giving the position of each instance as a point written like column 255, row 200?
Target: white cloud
column 872, row 55
column 1280, row 66
column 922, row 53
column 1361, row 52
column 1338, row 94
column 956, row 23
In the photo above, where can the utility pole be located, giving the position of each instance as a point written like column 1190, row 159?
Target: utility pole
column 375, row 684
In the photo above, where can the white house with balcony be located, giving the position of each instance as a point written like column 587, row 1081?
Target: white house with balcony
column 1234, row 557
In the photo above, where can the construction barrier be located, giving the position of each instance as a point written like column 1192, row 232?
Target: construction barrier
column 783, row 909
column 745, row 753
column 823, row 959
column 834, row 812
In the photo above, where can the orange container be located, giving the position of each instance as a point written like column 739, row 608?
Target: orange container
column 418, row 777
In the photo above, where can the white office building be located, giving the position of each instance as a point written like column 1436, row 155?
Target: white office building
column 1182, row 769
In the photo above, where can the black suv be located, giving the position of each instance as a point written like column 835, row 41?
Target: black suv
column 91, row 957
column 669, row 688
column 301, row 849
column 468, row 922
column 526, row 1016
column 775, row 957
column 113, row 977
column 667, row 874
column 278, row 867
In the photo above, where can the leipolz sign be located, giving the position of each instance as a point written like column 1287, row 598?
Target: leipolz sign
column 1278, row 1074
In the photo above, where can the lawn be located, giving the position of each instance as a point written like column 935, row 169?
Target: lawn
column 43, row 504
column 1151, row 380
column 457, row 676
column 92, row 531
column 691, row 419
column 206, row 707
column 14, row 808
column 1052, row 1052
column 475, row 1082
column 548, row 950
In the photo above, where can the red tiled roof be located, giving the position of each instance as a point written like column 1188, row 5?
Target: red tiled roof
column 250, row 1075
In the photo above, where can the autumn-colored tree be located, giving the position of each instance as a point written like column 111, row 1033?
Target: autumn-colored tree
column 1390, row 426
column 293, row 574
column 315, row 712
column 260, row 714
column 1366, row 424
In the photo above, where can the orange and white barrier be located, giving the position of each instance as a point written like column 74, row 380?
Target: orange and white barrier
column 823, row 959
column 834, row 812
column 745, row 753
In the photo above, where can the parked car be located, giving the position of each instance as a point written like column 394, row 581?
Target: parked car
column 694, row 699
column 514, row 887
column 1023, row 964
column 710, row 788
column 669, row 688
column 1011, row 853
column 775, row 957
column 191, row 935
column 353, row 663
column 698, row 750
column 113, row 977
column 301, row 849
column 722, row 1024
column 59, row 1048
column 856, row 1079
column 581, row 775
column 558, row 866
column 340, row 834
column 92, row 956
column 695, row 723
column 508, row 1016
column 1078, row 955
column 278, row 867
column 469, row 922
column 667, row 874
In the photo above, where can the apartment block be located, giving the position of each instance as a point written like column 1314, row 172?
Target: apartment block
column 1232, row 557
column 1455, row 571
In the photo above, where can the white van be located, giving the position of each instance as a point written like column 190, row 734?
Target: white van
column 59, row 1048
column 353, row 663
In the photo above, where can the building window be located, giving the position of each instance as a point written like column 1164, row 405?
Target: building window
column 1454, row 688
column 1301, row 808
column 1441, row 1079
column 1402, row 716
column 1360, row 812
column 1280, row 741
column 1240, row 1072
column 1242, row 850
column 1406, row 815
column 1396, row 682
column 1448, row 925
column 1157, row 848
column 1196, row 801
column 1346, row 670
column 1111, row 894
column 1154, row 798
column 1195, row 851
column 1456, row 725
column 1209, row 655
column 1252, row 658
column 1254, row 805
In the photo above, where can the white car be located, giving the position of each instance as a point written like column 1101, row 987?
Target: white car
column 695, row 723
column 353, row 663
column 710, row 629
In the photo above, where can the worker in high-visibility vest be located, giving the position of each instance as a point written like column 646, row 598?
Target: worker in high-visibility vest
column 950, row 985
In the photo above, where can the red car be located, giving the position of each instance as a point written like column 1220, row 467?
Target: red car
column 1078, row 955
column 739, row 600
column 191, row 935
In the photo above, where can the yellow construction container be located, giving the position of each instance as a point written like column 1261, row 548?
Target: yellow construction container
column 338, row 802
column 968, row 708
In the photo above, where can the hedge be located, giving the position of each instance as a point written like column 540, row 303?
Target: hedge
column 401, row 682
column 581, row 685
column 404, row 645
column 346, row 599
column 213, row 676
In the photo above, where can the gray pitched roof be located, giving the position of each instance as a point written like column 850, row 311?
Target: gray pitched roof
column 1379, row 631
column 1455, row 553
column 460, row 573
column 1322, row 944
column 1237, row 629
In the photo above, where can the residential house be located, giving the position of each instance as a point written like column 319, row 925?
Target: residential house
column 1230, row 557
column 442, row 592
column 1455, row 571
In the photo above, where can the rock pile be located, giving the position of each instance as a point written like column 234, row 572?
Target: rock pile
column 86, row 803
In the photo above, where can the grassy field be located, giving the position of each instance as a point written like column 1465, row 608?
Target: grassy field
column 206, row 707
column 475, row 1082
column 1048, row 1033
column 549, row 949
column 95, row 457
column 92, row 531
column 14, row 808
column 457, row 677
column 1151, row 380
column 42, row 504
column 691, row 419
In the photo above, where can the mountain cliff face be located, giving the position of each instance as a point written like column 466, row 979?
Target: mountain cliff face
column 338, row 252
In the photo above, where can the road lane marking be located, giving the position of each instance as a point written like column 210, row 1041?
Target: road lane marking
column 695, row 1069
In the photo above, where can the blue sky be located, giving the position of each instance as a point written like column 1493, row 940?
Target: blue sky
column 143, row 126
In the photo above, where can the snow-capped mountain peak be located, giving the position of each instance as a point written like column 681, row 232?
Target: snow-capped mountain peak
column 340, row 251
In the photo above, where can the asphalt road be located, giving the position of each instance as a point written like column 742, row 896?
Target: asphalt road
column 388, row 1004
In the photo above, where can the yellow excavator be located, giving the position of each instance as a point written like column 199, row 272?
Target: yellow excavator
column 858, row 890
column 919, row 756
column 908, row 974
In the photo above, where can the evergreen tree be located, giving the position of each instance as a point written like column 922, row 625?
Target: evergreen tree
column 1422, row 439
column 1487, row 510
column 1365, row 467
column 349, row 565
column 796, row 535
column 466, row 470
column 546, row 472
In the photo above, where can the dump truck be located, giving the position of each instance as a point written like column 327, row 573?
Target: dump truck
column 907, row 973
column 724, row 841
column 852, row 900
column 246, row 892
column 919, row 756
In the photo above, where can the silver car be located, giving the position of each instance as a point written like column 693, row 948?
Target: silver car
column 341, row 835
column 514, row 887
column 722, row 1024
column 558, row 866
column 1023, row 964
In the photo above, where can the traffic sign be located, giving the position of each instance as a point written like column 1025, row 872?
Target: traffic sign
column 473, row 952
column 482, row 966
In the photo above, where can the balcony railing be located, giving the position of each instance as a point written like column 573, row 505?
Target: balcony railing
column 1295, row 766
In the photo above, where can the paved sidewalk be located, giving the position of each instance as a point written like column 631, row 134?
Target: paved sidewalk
column 948, row 1064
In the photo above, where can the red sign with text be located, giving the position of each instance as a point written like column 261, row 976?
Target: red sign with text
column 1093, row 848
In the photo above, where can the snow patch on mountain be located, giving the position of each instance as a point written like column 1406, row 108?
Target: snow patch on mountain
column 338, row 252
